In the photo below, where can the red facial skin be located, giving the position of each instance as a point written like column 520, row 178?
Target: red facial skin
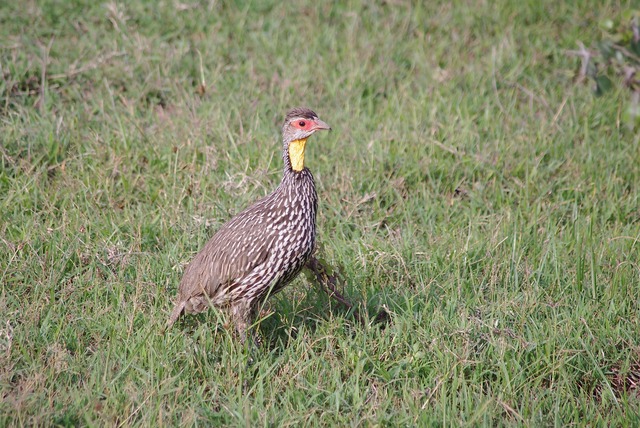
column 305, row 124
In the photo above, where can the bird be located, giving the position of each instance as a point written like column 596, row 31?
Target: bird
column 264, row 247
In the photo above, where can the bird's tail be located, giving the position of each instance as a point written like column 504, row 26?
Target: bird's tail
column 177, row 311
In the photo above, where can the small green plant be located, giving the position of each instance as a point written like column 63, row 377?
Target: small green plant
column 616, row 56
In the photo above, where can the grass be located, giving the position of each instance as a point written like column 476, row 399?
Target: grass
column 470, row 186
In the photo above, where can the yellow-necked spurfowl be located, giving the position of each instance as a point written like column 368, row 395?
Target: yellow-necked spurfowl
column 263, row 248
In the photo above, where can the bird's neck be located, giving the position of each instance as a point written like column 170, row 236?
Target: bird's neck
column 296, row 154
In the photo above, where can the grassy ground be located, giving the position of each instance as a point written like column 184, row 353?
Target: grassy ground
column 470, row 186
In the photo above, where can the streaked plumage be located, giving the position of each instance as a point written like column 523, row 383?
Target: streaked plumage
column 265, row 246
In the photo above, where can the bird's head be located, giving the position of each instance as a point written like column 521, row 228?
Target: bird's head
column 299, row 124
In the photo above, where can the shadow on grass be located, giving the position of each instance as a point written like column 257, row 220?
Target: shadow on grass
column 281, row 325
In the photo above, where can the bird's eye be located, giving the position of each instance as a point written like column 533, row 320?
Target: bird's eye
column 302, row 124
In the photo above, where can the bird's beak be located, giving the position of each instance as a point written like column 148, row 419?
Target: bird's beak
column 320, row 125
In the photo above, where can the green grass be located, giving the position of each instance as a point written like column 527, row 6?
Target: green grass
column 470, row 186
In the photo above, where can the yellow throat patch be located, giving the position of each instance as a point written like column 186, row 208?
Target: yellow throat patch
column 296, row 154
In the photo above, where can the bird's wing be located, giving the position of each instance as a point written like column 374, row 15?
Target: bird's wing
column 231, row 254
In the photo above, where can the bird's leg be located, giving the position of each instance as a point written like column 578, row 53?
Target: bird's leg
column 242, row 315
column 239, row 314
column 328, row 282
column 317, row 271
